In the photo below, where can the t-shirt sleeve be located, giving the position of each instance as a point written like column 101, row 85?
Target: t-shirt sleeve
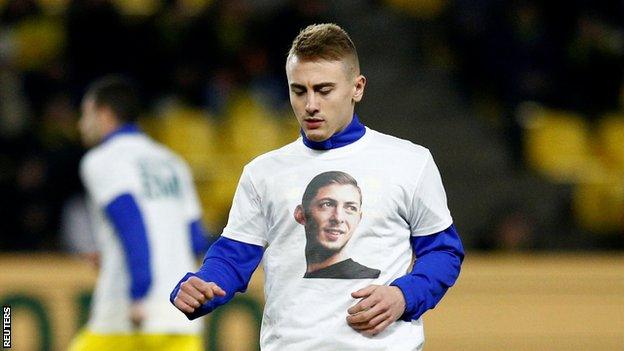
column 428, row 211
column 106, row 180
column 247, row 222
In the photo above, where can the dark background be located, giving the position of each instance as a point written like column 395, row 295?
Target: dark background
column 471, row 80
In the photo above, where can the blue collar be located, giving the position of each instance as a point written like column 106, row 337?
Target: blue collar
column 353, row 132
column 128, row 128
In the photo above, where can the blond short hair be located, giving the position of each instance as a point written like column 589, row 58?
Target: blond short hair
column 326, row 41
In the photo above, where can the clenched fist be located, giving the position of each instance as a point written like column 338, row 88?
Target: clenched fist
column 194, row 292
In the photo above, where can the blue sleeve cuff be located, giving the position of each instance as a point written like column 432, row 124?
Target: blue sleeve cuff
column 438, row 263
column 229, row 264
column 126, row 218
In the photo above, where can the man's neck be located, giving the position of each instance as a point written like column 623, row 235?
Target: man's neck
column 350, row 134
column 316, row 262
column 127, row 128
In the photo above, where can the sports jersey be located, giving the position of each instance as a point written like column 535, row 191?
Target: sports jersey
column 402, row 196
column 130, row 164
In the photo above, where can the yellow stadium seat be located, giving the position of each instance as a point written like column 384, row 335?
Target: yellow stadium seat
column 191, row 133
column 39, row 41
column 249, row 129
column 557, row 144
column 53, row 7
column 150, row 125
column 138, row 7
column 610, row 135
column 598, row 202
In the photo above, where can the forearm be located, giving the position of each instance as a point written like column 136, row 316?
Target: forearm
column 229, row 264
column 438, row 263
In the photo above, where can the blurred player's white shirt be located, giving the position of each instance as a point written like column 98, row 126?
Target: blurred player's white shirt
column 162, row 186
column 402, row 195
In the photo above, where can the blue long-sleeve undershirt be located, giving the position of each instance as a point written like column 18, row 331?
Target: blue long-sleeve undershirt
column 438, row 262
column 229, row 264
column 126, row 217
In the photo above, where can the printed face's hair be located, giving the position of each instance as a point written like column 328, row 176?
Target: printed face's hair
column 328, row 42
column 325, row 179
column 117, row 93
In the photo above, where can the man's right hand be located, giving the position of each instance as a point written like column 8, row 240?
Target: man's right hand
column 194, row 292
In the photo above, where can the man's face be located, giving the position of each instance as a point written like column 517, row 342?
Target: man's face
column 89, row 123
column 323, row 95
column 333, row 215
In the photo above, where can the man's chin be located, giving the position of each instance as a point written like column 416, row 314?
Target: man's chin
column 316, row 135
column 332, row 246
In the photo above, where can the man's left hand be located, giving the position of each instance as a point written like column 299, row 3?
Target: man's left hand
column 379, row 307
column 137, row 314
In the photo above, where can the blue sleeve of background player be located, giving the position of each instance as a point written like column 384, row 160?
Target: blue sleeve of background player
column 229, row 264
column 438, row 262
column 199, row 237
column 126, row 217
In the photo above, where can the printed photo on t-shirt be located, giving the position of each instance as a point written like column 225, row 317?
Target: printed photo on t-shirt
column 330, row 211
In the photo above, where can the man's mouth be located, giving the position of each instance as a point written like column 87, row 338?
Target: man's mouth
column 333, row 233
column 313, row 123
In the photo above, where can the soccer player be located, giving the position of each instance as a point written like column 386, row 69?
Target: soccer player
column 330, row 211
column 404, row 213
column 147, row 224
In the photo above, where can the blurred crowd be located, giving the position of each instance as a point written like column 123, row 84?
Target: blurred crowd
column 198, row 59
column 567, row 56
column 215, row 67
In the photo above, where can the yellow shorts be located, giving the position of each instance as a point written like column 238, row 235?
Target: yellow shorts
column 88, row 341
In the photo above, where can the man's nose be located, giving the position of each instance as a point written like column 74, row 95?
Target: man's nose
column 338, row 215
column 312, row 106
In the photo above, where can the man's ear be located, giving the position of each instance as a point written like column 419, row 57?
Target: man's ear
column 299, row 215
column 107, row 119
column 360, row 83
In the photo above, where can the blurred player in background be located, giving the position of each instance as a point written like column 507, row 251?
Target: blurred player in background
column 404, row 213
column 146, row 217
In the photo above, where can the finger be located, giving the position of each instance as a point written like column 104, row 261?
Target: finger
column 195, row 281
column 364, row 316
column 193, row 292
column 371, row 323
column 188, row 299
column 364, row 292
column 378, row 319
column 378, row 328
column 364, row 305
column 183, row 306
column 217, row 290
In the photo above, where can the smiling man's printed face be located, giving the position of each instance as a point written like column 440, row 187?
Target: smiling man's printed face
column 333, row 215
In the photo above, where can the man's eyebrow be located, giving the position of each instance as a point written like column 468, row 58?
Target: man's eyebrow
column 323, row 85
column 298, row 86
column 315, row 86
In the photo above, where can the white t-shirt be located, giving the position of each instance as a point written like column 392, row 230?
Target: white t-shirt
column 162, row 185
column 402, row 196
